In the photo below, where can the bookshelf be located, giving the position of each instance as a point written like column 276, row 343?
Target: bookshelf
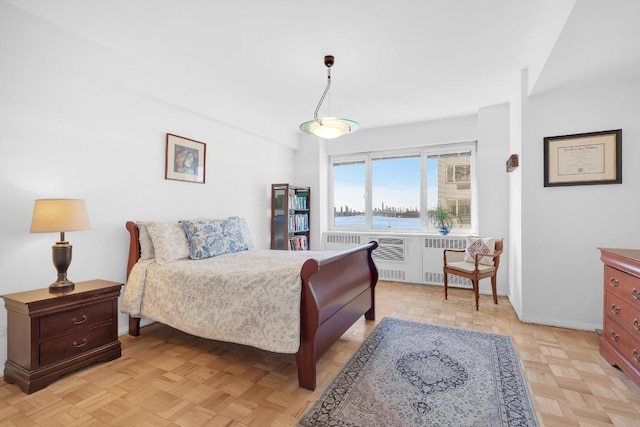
column 290, row 217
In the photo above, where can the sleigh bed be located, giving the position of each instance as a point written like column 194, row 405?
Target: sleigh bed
column 281, row 301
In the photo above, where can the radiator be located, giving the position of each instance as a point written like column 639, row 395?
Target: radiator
column 404, row 258
column 433, row 257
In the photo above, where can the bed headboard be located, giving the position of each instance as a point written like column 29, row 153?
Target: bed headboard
column 134, row 245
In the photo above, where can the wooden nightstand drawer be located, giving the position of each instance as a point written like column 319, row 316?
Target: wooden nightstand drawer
column 57, row 349
column 83, row 317
column 622, row 284
column 625, row 314
column 625, row 343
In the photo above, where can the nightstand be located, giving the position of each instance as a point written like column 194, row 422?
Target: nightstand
column 51, row 334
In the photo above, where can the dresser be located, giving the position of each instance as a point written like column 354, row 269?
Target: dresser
column 50, row 334
column 620, row 341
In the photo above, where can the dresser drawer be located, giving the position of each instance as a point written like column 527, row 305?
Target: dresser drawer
column 57, row 349
column 625, row 343
column 67, row 321
column 622, row 284
column 623, row 313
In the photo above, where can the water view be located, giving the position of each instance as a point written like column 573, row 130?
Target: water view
column 378, row 222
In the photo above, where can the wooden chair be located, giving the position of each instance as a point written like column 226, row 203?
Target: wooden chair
column 474, row 271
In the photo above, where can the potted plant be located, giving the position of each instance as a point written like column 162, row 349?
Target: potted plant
column 443, row 219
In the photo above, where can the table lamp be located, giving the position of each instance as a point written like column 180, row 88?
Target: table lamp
column 60, row 215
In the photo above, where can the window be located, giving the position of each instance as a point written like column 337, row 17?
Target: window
column 450, row 185
column 349, row 190
column 394, row 190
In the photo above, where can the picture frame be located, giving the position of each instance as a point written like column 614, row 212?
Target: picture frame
column 583, row 159
column 185, row 159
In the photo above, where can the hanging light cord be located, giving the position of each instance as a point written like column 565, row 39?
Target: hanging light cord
column 315, row 114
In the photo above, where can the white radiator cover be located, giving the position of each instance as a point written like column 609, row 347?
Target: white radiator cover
column 403, row 257
column 433, row 257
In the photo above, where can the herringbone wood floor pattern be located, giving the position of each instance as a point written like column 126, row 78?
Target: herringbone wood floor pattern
column 168, row 378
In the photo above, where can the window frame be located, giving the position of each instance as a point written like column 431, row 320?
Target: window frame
column 423, row 152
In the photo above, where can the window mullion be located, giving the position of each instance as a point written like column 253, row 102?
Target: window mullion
column 368, row 191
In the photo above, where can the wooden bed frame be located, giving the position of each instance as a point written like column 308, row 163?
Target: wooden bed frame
column 336, row 292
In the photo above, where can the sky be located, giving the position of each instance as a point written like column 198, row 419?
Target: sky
column 396, row 183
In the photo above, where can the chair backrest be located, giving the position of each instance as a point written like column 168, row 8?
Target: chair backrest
column 498, row 248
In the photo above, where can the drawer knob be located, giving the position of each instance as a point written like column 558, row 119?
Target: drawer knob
column 84, row 342
column 636, row 325
column 613, row 281
column 635, row 294
column 614, row 336
column 615, row 309
column 82, row 320
column 635, row 355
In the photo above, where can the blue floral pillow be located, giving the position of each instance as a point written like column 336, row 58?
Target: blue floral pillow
column 213, row 237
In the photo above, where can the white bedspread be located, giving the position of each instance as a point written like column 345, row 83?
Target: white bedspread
column 250, row 297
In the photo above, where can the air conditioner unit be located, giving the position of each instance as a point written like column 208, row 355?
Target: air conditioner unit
column 398, row 258
column 433, row 257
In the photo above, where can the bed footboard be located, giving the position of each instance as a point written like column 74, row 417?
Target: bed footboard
column 336, row 292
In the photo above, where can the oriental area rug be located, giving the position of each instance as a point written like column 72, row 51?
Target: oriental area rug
column 416, row 374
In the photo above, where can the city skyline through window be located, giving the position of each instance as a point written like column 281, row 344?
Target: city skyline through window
column 396, row 200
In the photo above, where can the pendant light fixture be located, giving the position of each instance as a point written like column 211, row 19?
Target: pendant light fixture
column 328, row 127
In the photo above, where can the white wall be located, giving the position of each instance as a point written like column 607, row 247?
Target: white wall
column 456, row 129
column 515, row 195
column 493, row 185
column 562, row 227
column 311, row 171
column 72, row 128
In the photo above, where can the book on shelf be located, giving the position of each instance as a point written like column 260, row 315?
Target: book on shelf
column 298, row 243
column 297, row 202
column 299, row 222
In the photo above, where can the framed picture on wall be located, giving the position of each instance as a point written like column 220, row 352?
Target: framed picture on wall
column 185, row 159
column 583, row 159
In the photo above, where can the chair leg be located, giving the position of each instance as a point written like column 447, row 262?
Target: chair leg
column 476, row 290
column 493, row 289
column 445, row 286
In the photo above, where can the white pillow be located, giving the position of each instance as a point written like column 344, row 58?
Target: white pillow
column 169, row 241
column 146, row 244
column 246, row 233
column 480, row 245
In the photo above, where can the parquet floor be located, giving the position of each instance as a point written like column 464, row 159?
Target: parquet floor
column 168, row 378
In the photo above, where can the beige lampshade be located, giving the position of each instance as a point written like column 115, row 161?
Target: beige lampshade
column 59, row 215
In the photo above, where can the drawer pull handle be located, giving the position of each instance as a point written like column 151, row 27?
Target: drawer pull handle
column 613, row 281
column 614, row 336
column 635, row 294
column 77, row 322
column 615, row 309
column 636, row 325
column 84, row 342
column 635, row 355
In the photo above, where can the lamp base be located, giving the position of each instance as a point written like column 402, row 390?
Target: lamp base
column 61, row 253
column 61, row 286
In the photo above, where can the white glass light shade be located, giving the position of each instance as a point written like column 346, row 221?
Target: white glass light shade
column 329, row 127
column 59, row 215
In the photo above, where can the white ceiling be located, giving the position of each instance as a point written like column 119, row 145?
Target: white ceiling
column 258, row 65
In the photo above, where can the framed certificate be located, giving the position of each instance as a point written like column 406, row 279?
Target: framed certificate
column 583, row 159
